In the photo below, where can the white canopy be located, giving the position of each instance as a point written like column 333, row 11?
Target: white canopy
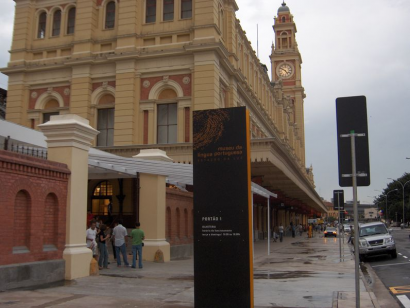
column 103, row 165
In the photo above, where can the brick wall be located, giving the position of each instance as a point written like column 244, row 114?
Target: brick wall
column 32, row 208
column 179, row 217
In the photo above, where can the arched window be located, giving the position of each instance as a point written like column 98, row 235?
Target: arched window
column 285, row 41
column 167, row 123
column 50, row 229
column 169, row 225
column 21, row 226
column 42, row 22
column 50, row 109
column 105, row 121
column 110, row 15
column 186, row 223
column 56, row 23
column 283, row 19
column 102, row 196
column 178, row 224
column 71, row 21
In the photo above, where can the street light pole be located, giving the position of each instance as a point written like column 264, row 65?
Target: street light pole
column 402, row 186
column 385, row 219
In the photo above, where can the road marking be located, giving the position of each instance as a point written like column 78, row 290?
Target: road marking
column 404, row 257
column 404, row 300
column 388, row 264
column 400, row 290
column 399, row 253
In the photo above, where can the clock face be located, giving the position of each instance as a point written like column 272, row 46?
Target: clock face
column 285, row 70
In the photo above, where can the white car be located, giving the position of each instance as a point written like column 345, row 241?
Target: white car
column 346, row 228
column 375, row 239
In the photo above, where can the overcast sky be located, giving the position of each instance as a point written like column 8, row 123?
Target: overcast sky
column 348, row 48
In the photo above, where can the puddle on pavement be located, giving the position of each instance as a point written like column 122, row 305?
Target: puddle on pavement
column 283, row 275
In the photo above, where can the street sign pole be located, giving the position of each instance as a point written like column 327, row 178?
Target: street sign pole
column 351, row 116
column 354, row 176
column 356, row 220
column 340, row 243
column 336, row 196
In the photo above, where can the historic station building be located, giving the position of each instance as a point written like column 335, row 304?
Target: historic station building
column 137, row 69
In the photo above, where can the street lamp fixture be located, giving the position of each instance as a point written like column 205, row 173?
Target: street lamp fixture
column 402, row 186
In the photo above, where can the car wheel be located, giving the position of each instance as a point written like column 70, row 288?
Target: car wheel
column 394, row 254
column 362, row 258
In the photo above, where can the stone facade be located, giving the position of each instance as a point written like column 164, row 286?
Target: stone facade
column 198, row 58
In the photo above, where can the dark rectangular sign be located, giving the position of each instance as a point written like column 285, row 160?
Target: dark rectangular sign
column 338, row 200
column 223, row 262
column 351, row 116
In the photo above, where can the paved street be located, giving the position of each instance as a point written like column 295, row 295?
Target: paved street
column 299, row 272
column 395, row 273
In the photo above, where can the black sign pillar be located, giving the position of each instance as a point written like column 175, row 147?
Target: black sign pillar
column 223, row 251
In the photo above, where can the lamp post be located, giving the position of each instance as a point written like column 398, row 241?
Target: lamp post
column 386, row 201
column 402, row 186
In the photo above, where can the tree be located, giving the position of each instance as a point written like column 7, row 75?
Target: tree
column 395, row 199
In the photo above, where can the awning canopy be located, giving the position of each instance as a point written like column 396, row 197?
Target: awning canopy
column 103, row 165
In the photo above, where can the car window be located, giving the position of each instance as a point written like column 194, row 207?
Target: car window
column 372, row 230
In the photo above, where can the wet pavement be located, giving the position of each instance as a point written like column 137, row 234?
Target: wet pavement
column 299, row 272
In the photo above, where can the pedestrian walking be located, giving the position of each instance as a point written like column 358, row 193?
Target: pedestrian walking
column 300, row 230
column 120, row 233
column 351, row 235
column 293, row 229
column 103, row 238
column 281, row 229
column 137, row 236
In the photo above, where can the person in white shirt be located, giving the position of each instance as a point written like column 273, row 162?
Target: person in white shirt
column 91, row 235
column 120, row 233
column 281, row 229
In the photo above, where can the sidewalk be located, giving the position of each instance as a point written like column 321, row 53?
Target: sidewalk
column 299, row 272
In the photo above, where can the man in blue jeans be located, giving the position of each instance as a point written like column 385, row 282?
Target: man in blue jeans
column 120, row 233
column 137, row 235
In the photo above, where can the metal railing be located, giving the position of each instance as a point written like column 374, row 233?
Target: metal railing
column 8, row 145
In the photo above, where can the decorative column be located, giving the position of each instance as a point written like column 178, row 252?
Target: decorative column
column 152, row 215
column 69, row 138
column 152, row 207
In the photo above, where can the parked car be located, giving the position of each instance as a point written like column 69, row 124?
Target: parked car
column 375, row 239
column 330, row 231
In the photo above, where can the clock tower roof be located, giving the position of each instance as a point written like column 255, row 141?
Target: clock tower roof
column 283, row 8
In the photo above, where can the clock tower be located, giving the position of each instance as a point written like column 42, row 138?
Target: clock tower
column 286, row 64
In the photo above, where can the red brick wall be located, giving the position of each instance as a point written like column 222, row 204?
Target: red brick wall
column 32, row 207
column 179, row 227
